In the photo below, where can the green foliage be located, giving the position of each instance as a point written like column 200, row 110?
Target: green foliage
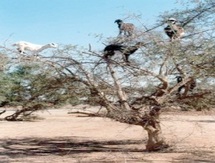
column 27, row 84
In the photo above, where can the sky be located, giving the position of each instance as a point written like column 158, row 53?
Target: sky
column 76, row 22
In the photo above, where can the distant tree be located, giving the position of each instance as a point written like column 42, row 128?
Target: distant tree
column 133, row 93
column 35, row 88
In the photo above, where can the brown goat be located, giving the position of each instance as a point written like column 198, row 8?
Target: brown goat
column 127, row 28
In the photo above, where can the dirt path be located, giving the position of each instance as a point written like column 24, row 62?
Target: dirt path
column 61, row 137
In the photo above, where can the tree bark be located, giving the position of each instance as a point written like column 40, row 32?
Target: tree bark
column 149, row 121
column 152, row 126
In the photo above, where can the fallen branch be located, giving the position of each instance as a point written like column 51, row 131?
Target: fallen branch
column 85, row 113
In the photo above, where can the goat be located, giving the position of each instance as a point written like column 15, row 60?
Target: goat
column 125, row 50
column 127, row 28
column 174, row 30
column 23, row 45
column 189, row 86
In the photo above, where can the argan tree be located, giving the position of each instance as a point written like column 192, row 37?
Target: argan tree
column 136, row 92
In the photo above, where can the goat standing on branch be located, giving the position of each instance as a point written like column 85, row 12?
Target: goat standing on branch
column 189, row 86
column 173, row 30
column 110, row 50
column 127, row 28
column 23, row 45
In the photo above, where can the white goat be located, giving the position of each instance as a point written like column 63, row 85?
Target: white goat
column 23, row 45
column 127, row 28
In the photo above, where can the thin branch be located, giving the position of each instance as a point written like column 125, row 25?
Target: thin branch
column 197, row 15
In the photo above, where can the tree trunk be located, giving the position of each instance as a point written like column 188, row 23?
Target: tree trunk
column 152, row 126
column 148, row 120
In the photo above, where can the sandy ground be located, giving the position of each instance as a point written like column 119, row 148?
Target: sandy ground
column 67, row 138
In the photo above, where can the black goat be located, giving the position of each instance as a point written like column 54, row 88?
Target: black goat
column 125, row 50
column 173, row 30
column 189, row 86
column 127, row 28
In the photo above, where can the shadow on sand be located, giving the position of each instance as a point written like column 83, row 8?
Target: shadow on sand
column 65, row 146
column 76, row 146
